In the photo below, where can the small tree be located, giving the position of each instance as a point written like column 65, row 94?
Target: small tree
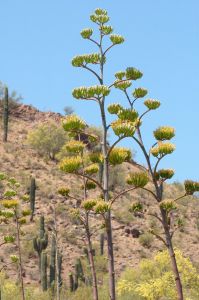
column 47, row 139
column 13, row 209
column 127, row 124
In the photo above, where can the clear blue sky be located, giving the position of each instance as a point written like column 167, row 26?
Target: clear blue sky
column 39, row 38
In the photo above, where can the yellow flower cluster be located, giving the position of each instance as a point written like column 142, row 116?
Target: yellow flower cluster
column 74, row 146
column 73, row 123
column 92, row 169
column 90, row 92
column 123, row 128
column 162, row 149
column 138, row 179
column 164, row 133
column 71, row 164
column 84, row 59
column 118, row 155
column 152, row 104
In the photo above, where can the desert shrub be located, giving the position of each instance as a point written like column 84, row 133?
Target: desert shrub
column 153, row 279
column 47, row 139
column 146, row 240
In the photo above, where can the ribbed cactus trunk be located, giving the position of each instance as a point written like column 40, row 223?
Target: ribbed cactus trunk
column 32, row 197
column 5, row 116
column 53, row 261
column 71, row 283
column 40, row 242
column 44, row 282
column 59, row 268
column 79, row 270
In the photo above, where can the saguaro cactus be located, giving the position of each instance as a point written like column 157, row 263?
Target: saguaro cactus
column 53, row 261
column 5, row 115
column 32, row 197
column 71, row 282
column 40, row 242
column 79, row 270
column 44, row 271
column 59, row 263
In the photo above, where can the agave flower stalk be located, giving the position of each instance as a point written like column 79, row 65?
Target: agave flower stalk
column 128, row 124
column 161, row 148
column 12, row 210
column 83, row 205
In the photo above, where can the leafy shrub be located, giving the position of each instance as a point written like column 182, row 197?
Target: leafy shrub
column 47, row 139
column 146, row 240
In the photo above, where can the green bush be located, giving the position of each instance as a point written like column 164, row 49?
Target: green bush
column 146, row 240
column 47, row 139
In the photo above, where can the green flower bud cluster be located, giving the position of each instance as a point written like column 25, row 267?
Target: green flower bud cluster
column 12, row 183
column 22, row 221
column 152, row 104
column 191, row 187
column 82, row 60
column 168, row 205
column 7, row 214
column 14, row 258
column 100, row 11
column 96, row 91
column 89, row 204
column 128, row 115
column 133, row 74
column 92, row 169
column 101, row 207
column 26, row 212
column 2, row 176
column 116, row 39
column 164, row 133
column 74, row 146
column 122, row 85
column 25, row 198
column 95, row 157
column 114, row 108
column 164, row 174
column 73, row 123
column 123, row 128
column 138, row 179
column 86, row 33
column 136, row 207
column 90, row 185
column 100, row 16
column 162, row 149
column 118, row 155
column 9, row 239
column 120, row 75
column 92, row 138
column 139, row 93
column 64, row 191
column 106, row 29
column 71, row 164
column 9, row 194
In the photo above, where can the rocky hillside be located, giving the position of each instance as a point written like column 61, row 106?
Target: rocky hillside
column 131, row 240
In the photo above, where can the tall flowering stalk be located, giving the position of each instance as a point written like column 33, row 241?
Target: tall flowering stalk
column 81, row 162
column 128, row 124
column 14, row 210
